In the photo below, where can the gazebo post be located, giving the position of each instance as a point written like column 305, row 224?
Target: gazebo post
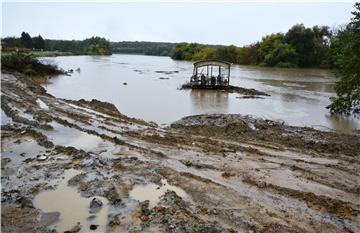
column 228, row 75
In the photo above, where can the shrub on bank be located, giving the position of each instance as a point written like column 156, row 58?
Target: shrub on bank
column 28, row 65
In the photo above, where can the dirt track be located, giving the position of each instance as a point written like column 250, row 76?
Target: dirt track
column 239, row 174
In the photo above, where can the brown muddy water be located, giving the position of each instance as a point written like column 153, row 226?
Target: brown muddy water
column 298, row 96
column 153, row 192
column 71, row 207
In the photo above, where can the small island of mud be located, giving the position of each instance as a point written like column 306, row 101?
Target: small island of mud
column 247, row 92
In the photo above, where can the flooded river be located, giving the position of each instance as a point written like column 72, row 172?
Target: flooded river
column 146, row 87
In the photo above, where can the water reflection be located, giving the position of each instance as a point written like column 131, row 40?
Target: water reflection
column 209, row 101
column 301, row 85
column 342, row 123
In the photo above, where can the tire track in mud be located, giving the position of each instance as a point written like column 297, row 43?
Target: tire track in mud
column 222, row 162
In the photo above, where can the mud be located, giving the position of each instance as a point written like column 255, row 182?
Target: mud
column 204, row 173
column 247, row 92
column 238, row 127
column 166, row 72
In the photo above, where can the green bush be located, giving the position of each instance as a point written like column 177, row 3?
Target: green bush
column 28, row 65
column 345, row 49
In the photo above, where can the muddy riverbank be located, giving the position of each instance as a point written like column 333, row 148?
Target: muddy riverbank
column 203, row 173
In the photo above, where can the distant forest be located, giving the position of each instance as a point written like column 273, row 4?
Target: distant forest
column 143, row 47
column 90, row 46
column 300, row 46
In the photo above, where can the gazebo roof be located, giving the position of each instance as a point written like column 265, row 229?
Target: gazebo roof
column 212, row 63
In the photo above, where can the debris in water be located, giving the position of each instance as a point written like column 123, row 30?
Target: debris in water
column 49, row 218
column 75, row 229
column 95, row 205
column 93, row 227
column 166, row 72
column 41, row 157
column 249, row 97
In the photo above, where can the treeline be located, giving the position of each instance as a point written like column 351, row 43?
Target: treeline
column 143, row 47
column 299, row 47
column 90, row 46
column 25, row 41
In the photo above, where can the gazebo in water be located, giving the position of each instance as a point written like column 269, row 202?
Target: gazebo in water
column 210, row 74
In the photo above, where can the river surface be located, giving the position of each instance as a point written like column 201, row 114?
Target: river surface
column 140, row 88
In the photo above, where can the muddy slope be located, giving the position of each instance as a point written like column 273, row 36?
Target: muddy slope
column 239, row 174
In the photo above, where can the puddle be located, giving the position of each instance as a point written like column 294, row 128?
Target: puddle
column 90, row 111
column 22, row 113
column 5, row 119
column 66, row 136
column 42, row 104
column 73, row 208
column 16, row 153
column 153, row 192
column 20, row 149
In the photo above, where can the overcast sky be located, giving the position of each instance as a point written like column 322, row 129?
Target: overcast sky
column 212, row 23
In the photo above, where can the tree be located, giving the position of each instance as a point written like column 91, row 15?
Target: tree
column 185, row 51
column 345, row 48
column 282, row 55
column 248, row 54
column 26, row 40
column 267, row 44
column 39, row 42
column 322, row 37
column 273, row 51
column 11, row 42
column 227, row 53
column 204, row 53
column 311, row 44
column 97, row 46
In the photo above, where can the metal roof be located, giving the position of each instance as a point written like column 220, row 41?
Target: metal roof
column 212, row 63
